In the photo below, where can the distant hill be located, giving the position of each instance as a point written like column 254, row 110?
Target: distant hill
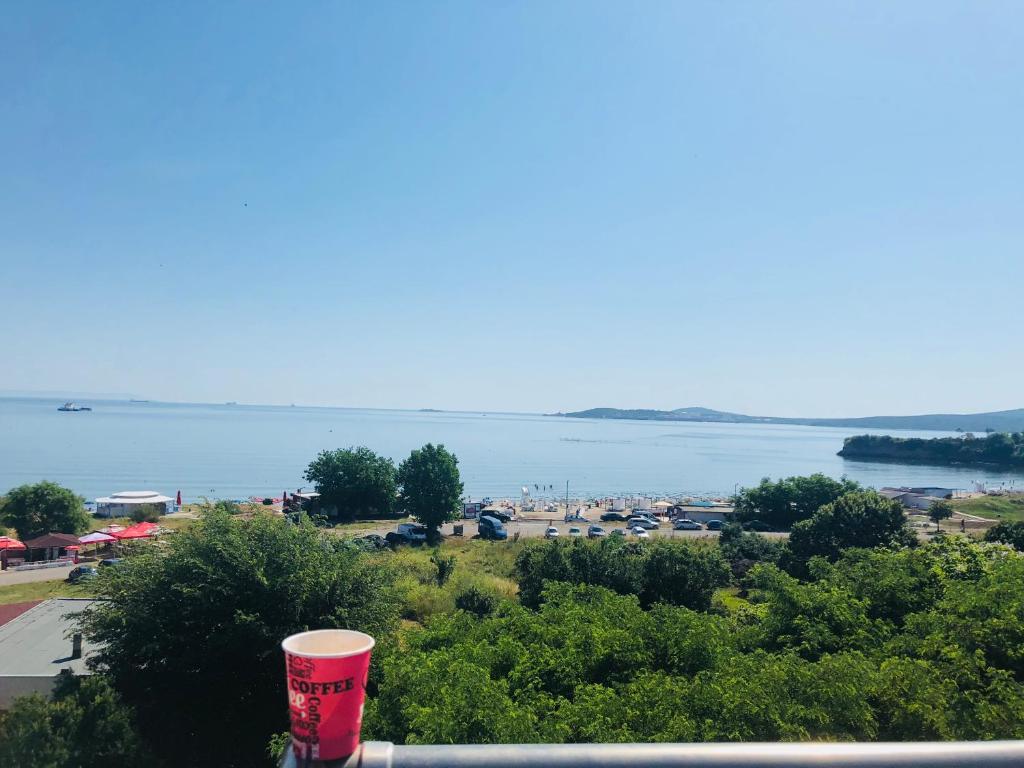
column 995, row 421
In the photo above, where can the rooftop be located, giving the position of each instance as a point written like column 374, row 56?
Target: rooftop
column 38, row 641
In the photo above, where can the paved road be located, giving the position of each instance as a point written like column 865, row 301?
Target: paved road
column 43, row 574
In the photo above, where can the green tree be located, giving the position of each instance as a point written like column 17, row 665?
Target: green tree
column 787, row 501
column 859, row 519
column 429, row 486
column 202, row 619
column 33, row 510
column 1011, row 533
column 939, row 511
column 84, row 725
column 354, row 483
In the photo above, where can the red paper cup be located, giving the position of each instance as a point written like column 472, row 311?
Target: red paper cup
column 327, row 671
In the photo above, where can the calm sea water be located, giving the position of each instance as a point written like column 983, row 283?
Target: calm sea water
column 223, row 451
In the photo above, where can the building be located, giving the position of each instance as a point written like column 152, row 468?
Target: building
column 37, row 644
column 917, row 498
column 122, row 503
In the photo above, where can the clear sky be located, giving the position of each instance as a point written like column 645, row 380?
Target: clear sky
column 770, row 207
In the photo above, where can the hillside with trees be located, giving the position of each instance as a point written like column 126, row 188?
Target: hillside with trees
column 999, row 449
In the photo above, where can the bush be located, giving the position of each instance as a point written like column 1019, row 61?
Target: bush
column 675, row 572
column 444, row 566
column 476, row 601
column 268, row 502
column 145, row 513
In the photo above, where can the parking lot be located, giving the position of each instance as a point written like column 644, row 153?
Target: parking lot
column 535, row 528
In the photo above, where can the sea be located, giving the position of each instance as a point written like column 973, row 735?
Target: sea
column 240, row 451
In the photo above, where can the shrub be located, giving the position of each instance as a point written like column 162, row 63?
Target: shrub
column 476, row 601
column 145, row 513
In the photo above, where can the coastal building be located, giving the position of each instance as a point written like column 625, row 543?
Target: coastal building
column 122, row 503
column 917, row 498
column 38, row 644
column 52, row 546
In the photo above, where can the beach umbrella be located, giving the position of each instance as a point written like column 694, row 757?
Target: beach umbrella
column 96, row 537
column 6, row 542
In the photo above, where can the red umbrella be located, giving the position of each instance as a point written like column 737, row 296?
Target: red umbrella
column 178, row 502
column 6, row 542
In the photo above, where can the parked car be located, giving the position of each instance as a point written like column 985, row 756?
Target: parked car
column 499, row 514
column 82, row 573
column 371, row 542
column 613, row 517
column 551, row 532
column 413, row 532
column 575, row 531
column 639, row 532
column 714, row 525
column 688, row 525
column 111, row 561
column 618, row 532
column 643, row 522
column 491, row 528
column 758, row 526
column 596, row 532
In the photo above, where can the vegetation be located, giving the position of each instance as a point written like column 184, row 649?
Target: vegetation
column 850, row 631
column 1008, row 506
column 145, row 513
column 41, row 590
column 354, row 483
column 678, row 573
column 1004, row 449
column 859, row 519
column 939, row 511
column 84, row 725
column 430, row 488
column 884, row 644
column 784, row 502
column 1011, row 533
column 34, row 510
column 202, row 619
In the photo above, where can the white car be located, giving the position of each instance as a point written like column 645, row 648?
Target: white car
column 551, row 532
column 574, row 531
column 688, row 525
column 639, row 532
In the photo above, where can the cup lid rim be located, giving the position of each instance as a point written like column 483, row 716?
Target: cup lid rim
column 368, row 643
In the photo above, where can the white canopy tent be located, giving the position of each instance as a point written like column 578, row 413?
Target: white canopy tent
column 122, row 503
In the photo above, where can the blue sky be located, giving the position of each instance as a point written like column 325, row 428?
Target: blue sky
column 776, row 208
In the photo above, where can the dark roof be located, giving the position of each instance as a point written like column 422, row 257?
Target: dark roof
column 52, row 540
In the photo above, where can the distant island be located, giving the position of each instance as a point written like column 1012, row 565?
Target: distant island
column 994, row 421
column 998, row 449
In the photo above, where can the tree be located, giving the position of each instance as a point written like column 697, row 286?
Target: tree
column 354, row 482
column 787, row 501
column 84, row 725
column 1011, row 533
column 202, row 618
column 429, row 486
column 33, row 510
column 860, row 519
column 939, row 511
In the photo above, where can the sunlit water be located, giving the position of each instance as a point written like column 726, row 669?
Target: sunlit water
column 222, row 451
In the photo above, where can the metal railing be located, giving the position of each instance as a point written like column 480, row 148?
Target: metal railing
column 963, row 754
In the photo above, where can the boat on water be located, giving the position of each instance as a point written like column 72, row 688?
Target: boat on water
column 69, row 406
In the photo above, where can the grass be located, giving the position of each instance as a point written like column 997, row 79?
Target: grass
column 41, row 590
column 1008, row 507
column 486, row 565
column 730, row 599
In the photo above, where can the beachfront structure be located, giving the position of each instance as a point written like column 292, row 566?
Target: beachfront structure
column 122, row 503
column 37, row 644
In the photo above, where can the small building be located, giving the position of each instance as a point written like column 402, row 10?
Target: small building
column 916, row 498
column 37, row 645
column 51, row 546
column 122, row 503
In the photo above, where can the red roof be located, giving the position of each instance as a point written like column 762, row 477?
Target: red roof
column 137, row 531
column 14, row 610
